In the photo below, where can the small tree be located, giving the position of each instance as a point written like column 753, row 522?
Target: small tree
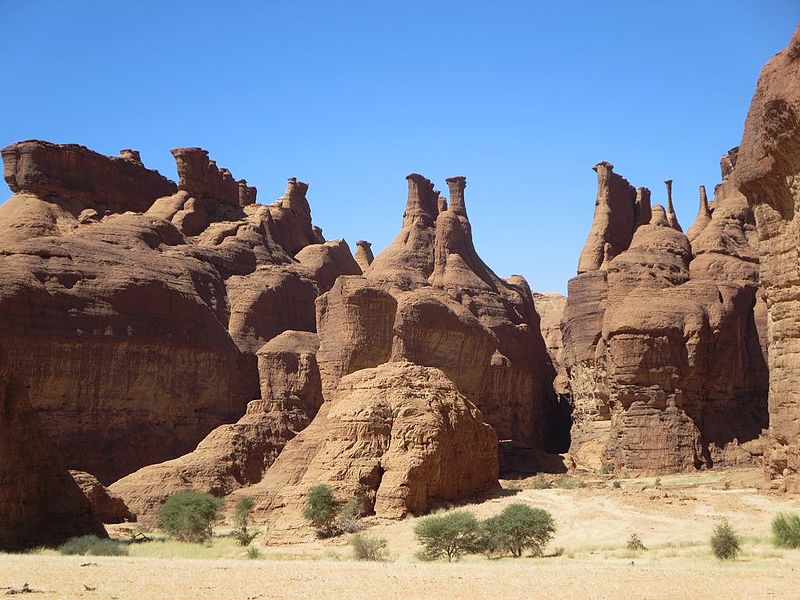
column 243, row 534
column 725, row 544
column 786, row 530
column 321, row 508
column 369, row 547
column 518, row 528
column 449, row 535
column 188, row 515
column 348, row 517
column 635, row 543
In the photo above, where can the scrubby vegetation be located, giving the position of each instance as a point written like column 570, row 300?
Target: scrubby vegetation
column 369, row 547
column 91, row 545
column 565, row 482
column 329, row 516
column 539, row 482
column 242, row 533
column 786, row 530
column 450, row 535
column 725, row 543
column 188, row 515
column 517, row 529
column 635, row 544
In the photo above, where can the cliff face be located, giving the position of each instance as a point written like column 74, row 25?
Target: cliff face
column 117, row 289
column 767, row 172
column 661, row 345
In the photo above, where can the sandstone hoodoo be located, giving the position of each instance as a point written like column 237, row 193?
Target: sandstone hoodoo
column 132, row 308
column 766, row 169
column 661, row 345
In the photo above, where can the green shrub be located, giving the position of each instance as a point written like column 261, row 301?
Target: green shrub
column 607, row 469
column 565, row 482
column 91, row 545
column 635, row 544
column 517, row 529
column 786, row 530
column 369, row 547
column 539, row 483
column 725, row 544
column 616, row 485
column 187, row 516
column 450, row 535
column 253, row 553
column 321, row 507
column 348, row 517
column 657, row 483
column 242, row 533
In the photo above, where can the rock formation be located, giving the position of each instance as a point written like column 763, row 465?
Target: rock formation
column 117, row 288
column 550, row 307
column 400, row 437
column 661, row 345
column 766, row 169
column 364, row 255
column 42, row 504
column 107, row 506
column 239, row 454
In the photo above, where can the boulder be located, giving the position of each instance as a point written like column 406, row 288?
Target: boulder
column 399, row 437
column 107, row 506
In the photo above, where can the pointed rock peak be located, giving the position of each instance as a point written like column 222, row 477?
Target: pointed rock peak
column 703, row 210
column 422, row 199
column 703, row 216
column 672, row 218
column 642, row 209
column 659, row 218
column 456, row 186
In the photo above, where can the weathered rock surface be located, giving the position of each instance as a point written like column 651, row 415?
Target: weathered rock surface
column 399, row 436
column 42, row 504
column 107, row 506
column 766, row 170
column 238, row 454
column 108, row 318
column 364, row 256
column 662, row 341
column 429, row 298
column 550, row 307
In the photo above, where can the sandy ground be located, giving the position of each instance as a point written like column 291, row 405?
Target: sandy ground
column 674, row 521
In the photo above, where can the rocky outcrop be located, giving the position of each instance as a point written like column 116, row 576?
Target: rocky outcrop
column 107, row 506
column 662, row 347
column 203, row 180
column 430, row 299
column 238, row 454
column 108, row 318
column 70, row 171
column 328, row 261
column 766, row 169
column 42, row 504
column 399, row 437
column 550, row 307
column 364, row 255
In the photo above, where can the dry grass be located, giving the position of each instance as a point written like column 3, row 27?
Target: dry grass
column 594, row 522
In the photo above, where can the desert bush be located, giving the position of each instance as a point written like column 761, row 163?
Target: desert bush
column 635, row 544
column 517, row 529
column 607, row 469
column 657, row 483
column 786, row 530
column 616, row 485
column 565, row 482
column 321, row 508
column 369, row 547
column 449, row 535
column 242, row 533
column 253, row 553
column 725, row 544
column 91, row 545
column 348, row 517
column 539, row 482
column 188, row 515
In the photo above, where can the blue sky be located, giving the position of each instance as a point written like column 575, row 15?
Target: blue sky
column 522, row 98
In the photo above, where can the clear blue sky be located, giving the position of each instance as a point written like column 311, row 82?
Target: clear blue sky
column 522, row 98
